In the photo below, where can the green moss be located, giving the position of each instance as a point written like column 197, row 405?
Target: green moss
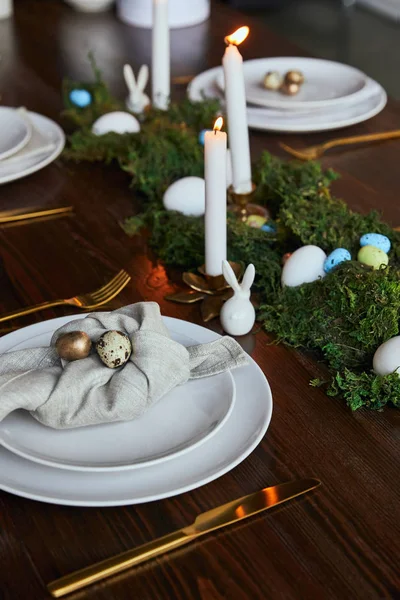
column 343, row 318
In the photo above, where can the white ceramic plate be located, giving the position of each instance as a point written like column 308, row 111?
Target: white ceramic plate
column 241, row 433
column 182, row 420
column 302, row 121
column 15, row 131
column 52, row 133
column 327, row 83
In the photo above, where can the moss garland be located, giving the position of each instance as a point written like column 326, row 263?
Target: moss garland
column 343, row 317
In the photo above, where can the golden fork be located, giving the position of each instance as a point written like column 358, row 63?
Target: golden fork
column 84, row 301
column 313, row 152
column 17, row 215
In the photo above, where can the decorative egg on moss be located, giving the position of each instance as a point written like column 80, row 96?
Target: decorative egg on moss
column 387, row 358
column 304, row 266
column 187, row 196
column 256, row 221
column 114, row 349
column 373, row 257
column 80, row 98
column 377, row 240
column 336, row 258
column 268, row 228
column 116, row 122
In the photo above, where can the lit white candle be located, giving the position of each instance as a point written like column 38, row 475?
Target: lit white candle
column 160, row 68
column 215, row 215
column 235, row 97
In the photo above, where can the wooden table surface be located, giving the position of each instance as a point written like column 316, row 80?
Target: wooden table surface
column 341, row 541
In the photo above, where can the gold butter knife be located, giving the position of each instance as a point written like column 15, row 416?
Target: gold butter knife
column 229, row 513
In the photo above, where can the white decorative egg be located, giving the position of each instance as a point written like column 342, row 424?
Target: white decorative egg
column 229, row 176
column 117, row 122
column 187, row 196
column 387, row 358
column 303, row 266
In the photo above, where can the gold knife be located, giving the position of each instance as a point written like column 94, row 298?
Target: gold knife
column 229, row 513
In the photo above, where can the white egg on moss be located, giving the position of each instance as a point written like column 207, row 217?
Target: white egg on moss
column 387, row 358
column 303, row 266
column 116, row 122
column 187, row 196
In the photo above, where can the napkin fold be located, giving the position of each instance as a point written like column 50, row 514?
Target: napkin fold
column 86, row 392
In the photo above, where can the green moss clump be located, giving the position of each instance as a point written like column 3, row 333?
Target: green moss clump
column 345, row 316
column 366, row 389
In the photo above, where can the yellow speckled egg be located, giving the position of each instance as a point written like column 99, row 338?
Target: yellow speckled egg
column 373, row 257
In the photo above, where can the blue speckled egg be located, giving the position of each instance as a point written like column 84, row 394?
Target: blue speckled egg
column 377, row 240
column 80, row 98
column 268, row 228
column 202, row 135
column 335, row 258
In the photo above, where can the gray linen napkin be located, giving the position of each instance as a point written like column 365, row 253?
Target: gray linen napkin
column 86, row 392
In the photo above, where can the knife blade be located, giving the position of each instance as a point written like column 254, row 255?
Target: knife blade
column 223, row 515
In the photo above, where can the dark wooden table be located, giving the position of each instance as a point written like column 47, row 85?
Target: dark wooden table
column 343, row 540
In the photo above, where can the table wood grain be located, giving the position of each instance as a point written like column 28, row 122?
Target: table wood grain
column 342, row 541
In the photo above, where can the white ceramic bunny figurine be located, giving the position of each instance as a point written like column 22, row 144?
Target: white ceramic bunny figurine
column 238, row 314
column 137, row 99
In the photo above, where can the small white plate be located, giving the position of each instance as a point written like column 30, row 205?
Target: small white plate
column 15, row 131
column 52, row 133
column 326, row 84
column 182, row 420
column 241, row 433
column 302, row 121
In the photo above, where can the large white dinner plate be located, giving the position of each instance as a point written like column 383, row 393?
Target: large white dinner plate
column 302, row 121
column 327, row 83
column 52, row 134
column 15, row 131
column 241, row 433
column 182, row 420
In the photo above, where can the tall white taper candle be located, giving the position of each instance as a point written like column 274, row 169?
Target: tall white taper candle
column 235, row 97
column 215, row 215
column 160, row 60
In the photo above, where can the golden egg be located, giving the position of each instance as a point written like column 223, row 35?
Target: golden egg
column 73, row 345
column 294, row 77
column 290, row 89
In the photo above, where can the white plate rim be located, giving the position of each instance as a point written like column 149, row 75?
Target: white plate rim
column 206, row 78
column 127, row 467
column 24, row 141
column 293, row 104
column 37, row 120
column 19, row 489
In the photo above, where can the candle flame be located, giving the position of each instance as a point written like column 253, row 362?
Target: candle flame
column 218, row 124
column 238, row 36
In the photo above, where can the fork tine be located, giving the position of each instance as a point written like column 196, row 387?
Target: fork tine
column 115, row 281
column 122, row 281
column 113, row 293
column 292, row 151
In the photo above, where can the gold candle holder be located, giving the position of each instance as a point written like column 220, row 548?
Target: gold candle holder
column 240, row 204
column 212, row 291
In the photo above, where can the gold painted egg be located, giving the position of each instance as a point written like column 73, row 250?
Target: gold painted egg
column 73, row 345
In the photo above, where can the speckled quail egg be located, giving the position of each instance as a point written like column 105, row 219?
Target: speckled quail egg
column 114, row 348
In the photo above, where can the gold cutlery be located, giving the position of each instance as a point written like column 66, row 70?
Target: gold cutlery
column 85, row 301
column 313, row 152
column 17, row 215
column 227, row 514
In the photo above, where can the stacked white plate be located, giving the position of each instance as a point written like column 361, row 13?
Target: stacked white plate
column 333, row 95
column 193, row 435
column 28, row 142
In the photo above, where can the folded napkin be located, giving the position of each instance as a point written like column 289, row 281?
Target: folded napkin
column 86, row 392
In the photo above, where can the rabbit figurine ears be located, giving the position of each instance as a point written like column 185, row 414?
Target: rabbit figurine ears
column 241, row 289
column 137, row 99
